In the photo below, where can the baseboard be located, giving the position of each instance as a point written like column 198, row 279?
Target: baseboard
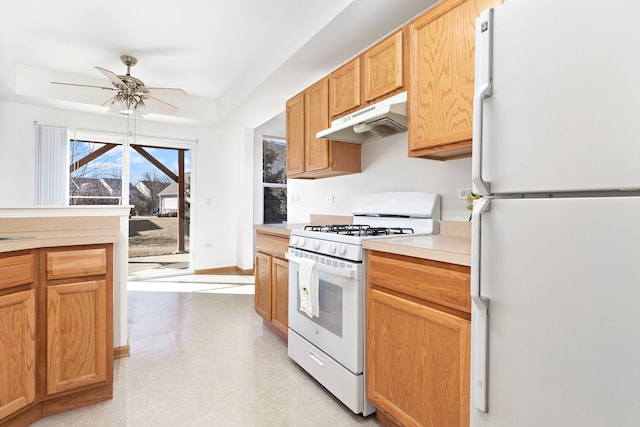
column 120, row 352
column 225, row 270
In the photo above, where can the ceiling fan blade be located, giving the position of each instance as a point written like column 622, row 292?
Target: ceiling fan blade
column 170, row 91
column 109, row 101
column 150, row 100
column 75, row 84
column 112, row 76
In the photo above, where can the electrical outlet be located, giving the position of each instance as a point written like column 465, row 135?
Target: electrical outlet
column 330, row 199
column 463, row 193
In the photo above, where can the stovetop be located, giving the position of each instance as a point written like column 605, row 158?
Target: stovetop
column 345, row 240
column 363, row 230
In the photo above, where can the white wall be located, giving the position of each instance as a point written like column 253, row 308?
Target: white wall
column 385, row 167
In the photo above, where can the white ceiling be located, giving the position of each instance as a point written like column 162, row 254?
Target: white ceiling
column 238, row 60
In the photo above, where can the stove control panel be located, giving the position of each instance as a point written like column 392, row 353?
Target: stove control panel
column 348, row 251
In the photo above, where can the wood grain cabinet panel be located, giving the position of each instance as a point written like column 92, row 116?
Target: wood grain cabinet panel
column 272, row 281
column 383, row 68
column 316, row 107
column 344, row 88
column 442, row 67
column 17, row 270
column 438, row 282
column 280, row 294
column 17, row 351
column 295, row 135
column 76, row 335
column 263, row 285
column 418, row 362
column 76, row 263
column 56, row 331
column 418, row 341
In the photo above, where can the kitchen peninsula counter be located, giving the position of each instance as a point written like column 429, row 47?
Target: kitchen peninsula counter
column 39, row 227
column 452, row 245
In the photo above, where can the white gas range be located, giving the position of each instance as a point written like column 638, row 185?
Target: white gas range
column 330, row 345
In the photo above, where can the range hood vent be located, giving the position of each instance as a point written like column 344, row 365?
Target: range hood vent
column 384, row 118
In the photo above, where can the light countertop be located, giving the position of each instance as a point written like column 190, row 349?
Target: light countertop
column 40, row 228
column 452, row 245
column 451, row 249
column 277, row 229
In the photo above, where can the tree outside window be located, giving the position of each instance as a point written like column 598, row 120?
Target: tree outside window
column 274, row 180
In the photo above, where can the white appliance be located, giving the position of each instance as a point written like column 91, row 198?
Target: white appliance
column 556, row 155
column 330, row 346
column 384, row 118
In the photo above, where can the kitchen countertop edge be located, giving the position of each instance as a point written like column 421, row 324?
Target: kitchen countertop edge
column 283, row 229
column 27, row 243
column 449, row 249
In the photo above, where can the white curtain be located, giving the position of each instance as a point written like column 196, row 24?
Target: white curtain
column 52, row 166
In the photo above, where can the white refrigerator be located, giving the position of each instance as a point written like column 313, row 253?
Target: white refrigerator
column 556, row 236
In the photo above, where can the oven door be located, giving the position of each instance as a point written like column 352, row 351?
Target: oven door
column 339, row 328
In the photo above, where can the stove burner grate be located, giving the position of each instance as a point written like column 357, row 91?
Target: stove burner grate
column 359, row 230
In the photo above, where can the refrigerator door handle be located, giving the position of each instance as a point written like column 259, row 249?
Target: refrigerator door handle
column 480, row 351
column 483, row 89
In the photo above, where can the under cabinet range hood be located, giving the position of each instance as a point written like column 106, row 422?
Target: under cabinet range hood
column 381, row 119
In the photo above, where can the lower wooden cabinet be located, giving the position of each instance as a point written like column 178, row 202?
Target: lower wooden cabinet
column 17, row 351
column 272, row 282
column 280, row 294
column 418, row 350
column 263, row 285
column 76, row 335
column 56, row 331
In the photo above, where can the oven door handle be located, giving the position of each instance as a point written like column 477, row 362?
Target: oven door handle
column 342, row 272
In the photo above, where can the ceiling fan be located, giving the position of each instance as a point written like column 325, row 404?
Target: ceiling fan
column 131, row 93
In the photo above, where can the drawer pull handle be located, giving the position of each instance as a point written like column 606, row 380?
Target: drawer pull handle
column 316, row 358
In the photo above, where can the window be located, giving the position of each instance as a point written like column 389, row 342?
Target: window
column 274, row 180
column 95, row 173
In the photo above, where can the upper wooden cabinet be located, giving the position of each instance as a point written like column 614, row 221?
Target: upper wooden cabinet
column 383, row 68
column 441, row 69
column 308, row 156
column 295, row 135
column 377, row 73
column 344, row 88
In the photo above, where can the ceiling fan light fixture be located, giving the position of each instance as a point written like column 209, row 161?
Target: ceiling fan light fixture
column 117, row 106
column 141, row 108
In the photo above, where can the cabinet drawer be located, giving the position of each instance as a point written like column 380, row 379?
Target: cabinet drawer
column 275, row 245
column 438, row 282
column 76, row 263
column 17, row 270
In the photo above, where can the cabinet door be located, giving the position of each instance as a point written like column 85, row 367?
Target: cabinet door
column 76, row 335
column 263, row 285
column 383, row 68
column 280, row 294
column 417, row 362
column 442, row 56
column 17, row 351
column 295, row 135
column 344, row 88
column 316, row 108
